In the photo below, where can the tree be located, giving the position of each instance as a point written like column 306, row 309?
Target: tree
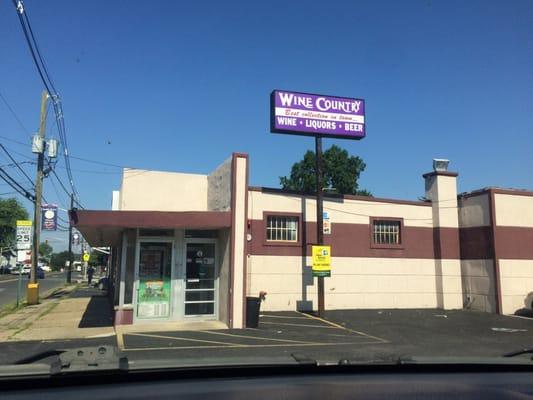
column 57, row 260
column 97, row 258
column 340, row 171
column 10, row 211
column 45, row 251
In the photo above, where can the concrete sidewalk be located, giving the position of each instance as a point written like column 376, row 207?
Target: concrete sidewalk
column 72, row 312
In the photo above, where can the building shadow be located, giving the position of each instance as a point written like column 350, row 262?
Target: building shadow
column 439, row 286
column 98, row 312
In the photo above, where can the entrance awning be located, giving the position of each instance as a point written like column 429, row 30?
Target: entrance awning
column 104, row 228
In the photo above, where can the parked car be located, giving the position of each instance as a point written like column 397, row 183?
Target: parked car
column 46, row 268
column 40, row 273
column 17, row 269
column 5, row 269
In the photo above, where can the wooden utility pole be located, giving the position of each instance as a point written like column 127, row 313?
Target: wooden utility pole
column 32, row 296
column 319, row 218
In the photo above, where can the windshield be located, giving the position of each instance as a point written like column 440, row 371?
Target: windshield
column 216, row 183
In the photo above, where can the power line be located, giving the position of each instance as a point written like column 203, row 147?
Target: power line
column 17, row 164
column 14, row 141
column 15, row 185
column 14, row 114
column 48, row 84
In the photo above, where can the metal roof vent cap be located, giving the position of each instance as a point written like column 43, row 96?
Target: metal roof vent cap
column 440, row 164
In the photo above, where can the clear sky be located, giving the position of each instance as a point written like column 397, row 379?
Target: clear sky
column 178, row 86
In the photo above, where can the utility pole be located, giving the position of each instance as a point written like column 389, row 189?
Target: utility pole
column 70, row 255
column 32, row 295
column 319, row 218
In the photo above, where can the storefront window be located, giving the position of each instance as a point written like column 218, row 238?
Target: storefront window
column 155, row 263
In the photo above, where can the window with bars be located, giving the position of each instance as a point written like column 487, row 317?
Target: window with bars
column 281, row 228
column 386, row 232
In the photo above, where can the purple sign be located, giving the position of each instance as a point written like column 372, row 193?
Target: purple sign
column 49, row 213
column 317, row 115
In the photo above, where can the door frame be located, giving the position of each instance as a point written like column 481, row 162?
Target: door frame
column 203, row 317
column 154, row 239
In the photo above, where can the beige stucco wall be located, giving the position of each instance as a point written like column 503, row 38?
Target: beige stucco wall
column 516, row 278
column 219, row 187
column 479, row 285
column 442, row 191
column 513, row 210
column 355, row 283
column 239, row 222
column 474, row 211
column 144, row 190
column 346, row 211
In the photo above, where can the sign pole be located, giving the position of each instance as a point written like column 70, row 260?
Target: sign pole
column 319, row 218
column 70, row 256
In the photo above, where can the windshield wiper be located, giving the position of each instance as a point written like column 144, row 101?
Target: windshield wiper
column 525, row 350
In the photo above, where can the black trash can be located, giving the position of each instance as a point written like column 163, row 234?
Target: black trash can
column 252, row 311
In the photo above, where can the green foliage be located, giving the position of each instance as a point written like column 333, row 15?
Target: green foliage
column 97, row 258
column 58, row 260
column 340, row 170
column 45, row 251
column 10, row 211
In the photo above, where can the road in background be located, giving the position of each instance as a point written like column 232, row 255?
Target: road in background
column 8, row 285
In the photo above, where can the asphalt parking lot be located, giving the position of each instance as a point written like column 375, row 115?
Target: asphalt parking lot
column 358, row 335
column 279, row 334
column 355, row 335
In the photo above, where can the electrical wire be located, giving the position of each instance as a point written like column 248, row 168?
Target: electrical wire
column 15, row 185
column 14, row 114
column 17, row 165
column 48, row 84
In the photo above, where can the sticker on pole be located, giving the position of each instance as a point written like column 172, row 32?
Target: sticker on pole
column 24, row 233
column 321, row 260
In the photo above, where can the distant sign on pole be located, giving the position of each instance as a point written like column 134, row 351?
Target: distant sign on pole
column 24, row 233
column 317, row 115
column 326, row 224
column 49, row 217
column 86, row 257
column 321, row 260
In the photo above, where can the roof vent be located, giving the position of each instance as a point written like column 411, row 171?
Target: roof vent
column 440, row 164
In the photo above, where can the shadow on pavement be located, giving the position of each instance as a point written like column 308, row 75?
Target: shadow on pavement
column 98, row 312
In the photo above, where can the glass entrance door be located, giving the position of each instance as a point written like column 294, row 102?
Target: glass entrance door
column 200, row 279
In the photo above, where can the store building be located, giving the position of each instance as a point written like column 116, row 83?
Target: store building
column 189, row 247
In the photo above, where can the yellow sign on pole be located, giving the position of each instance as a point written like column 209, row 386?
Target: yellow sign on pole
column 321, row 260
column 86, row 257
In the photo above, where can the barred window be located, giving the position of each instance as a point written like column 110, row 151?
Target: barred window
column 386, row 232
column 282, row 228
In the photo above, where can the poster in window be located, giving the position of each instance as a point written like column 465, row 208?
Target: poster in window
column 154, row 286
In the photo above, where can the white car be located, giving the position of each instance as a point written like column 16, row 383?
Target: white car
column 46, row 268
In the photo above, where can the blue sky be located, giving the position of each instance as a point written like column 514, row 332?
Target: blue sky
column 178, row 86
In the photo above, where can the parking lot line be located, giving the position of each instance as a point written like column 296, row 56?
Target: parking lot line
column 304, row 325
column 280, row 316
column 246, row 346
column 254, row 337
column 182, row 338
column 343, row 327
